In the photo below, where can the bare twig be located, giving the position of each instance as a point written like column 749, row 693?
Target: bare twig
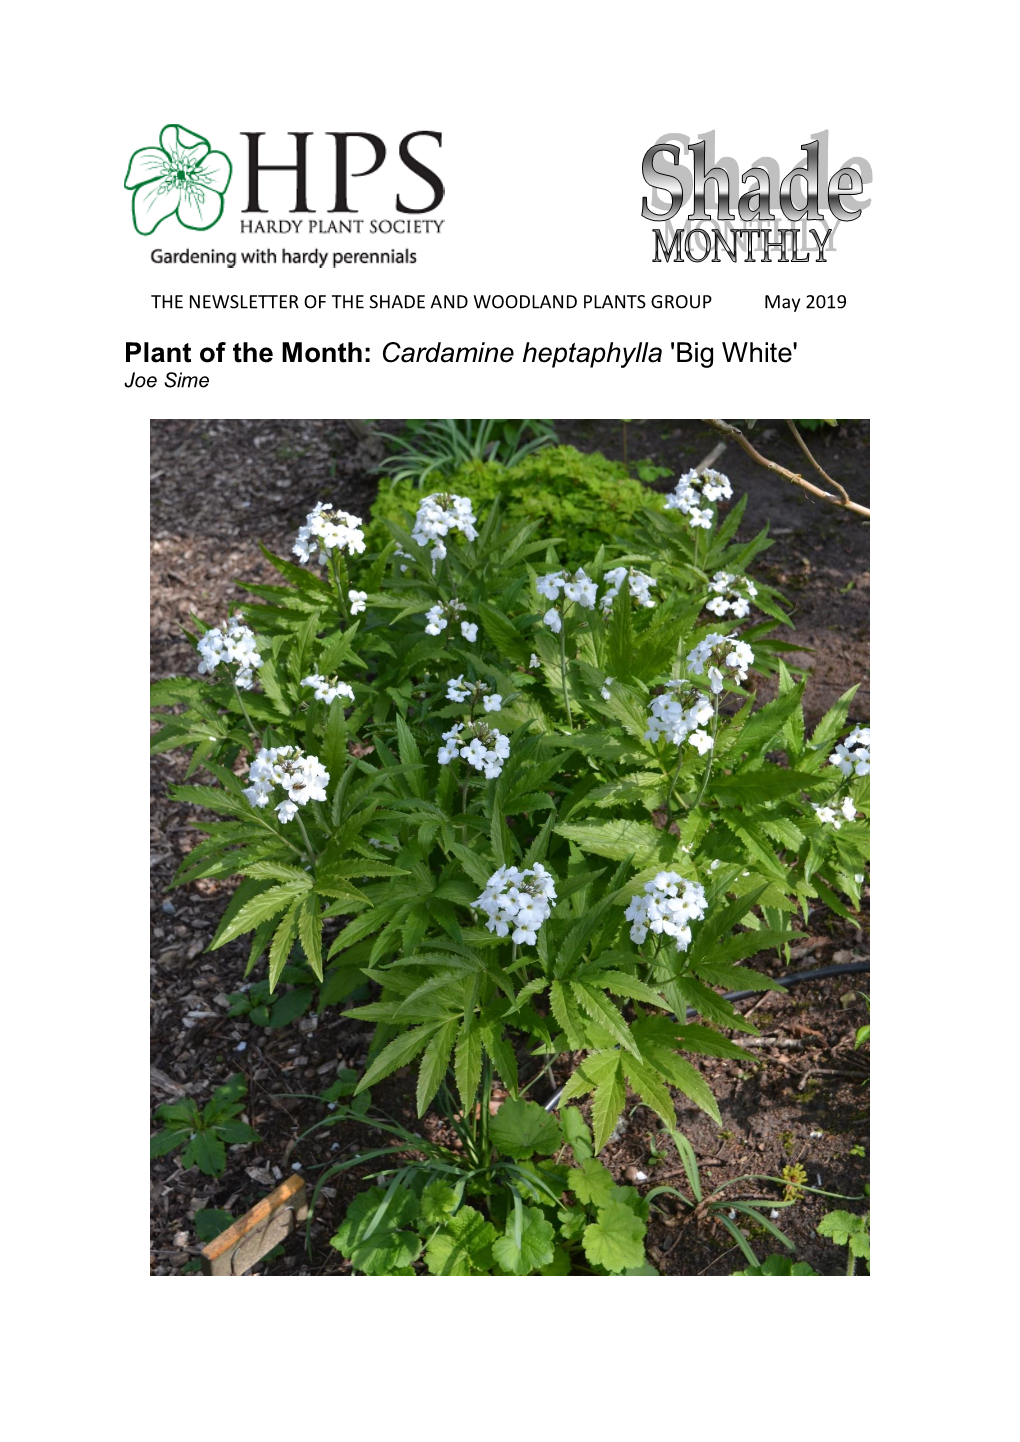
column 710, row 459
column 843, row 502
column 804, row 447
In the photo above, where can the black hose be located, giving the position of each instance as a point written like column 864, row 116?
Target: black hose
column 846, row 969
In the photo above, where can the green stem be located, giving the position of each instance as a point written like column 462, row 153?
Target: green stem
column 251, row 727
column 310, row 849
column 483, row 1114
column 335, row 573
column 563, row 668
column 672, row 786
column 711, row 757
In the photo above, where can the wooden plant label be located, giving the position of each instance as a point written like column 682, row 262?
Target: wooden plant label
column 248, row 1239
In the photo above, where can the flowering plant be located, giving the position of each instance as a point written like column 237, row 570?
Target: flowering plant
column 579, row 894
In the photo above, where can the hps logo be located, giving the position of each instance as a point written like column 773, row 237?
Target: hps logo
column 181, row 176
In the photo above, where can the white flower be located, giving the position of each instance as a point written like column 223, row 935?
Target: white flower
column 405, row 555
column 667, row 910
column 301, row 777
column 852, row 756
column 533, row 661
column 638, row 584
column 828, row 816
column 457, row 689
column 692, row 489
column 715, row 486
column 472, row 692
column 722, row 650
column 358, row 600
column 233, row 644
column 552, row 620
column 438, row 617
column 518, row 899
column 438, row 515
column 669, row 717
column 325, row 530
column 476, row 742
column 576, row 586
column 605, row 692
column 328, row 689
column 732, row 593
column 469, row 630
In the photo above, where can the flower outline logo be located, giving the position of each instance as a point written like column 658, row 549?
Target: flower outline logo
column 181, row 176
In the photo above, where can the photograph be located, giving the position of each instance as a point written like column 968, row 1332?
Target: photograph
column 510, row 803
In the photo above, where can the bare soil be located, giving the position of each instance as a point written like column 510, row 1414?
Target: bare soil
column 802, row 1098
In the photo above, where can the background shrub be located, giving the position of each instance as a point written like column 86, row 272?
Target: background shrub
column 582, row 499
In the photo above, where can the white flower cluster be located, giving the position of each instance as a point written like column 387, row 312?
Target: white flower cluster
column 717, row 650
column 604, row 691
column 576, row 587
column 234, row 644
column 693, row 490
column 664, row 908
column 852, row 756
column 733, row 593
column 477, row 743
column 518, row 899
column 439, row 616
column 328, row 688
column 638, row 584
column 668, row 717
column 473, row 691
column 300, row 776
column 325, row 530
column 828, row 817
column 437, row 516
column 358, row 600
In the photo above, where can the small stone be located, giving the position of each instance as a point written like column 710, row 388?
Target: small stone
column 169, row 908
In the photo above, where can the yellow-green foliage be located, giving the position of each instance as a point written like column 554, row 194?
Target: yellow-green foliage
column 582, row 499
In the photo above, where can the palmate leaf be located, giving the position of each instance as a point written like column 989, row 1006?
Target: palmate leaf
column 590, row 1182
column 534, row 1248
column 462, row 1247
column 616, row 1240
column 604, row 1014
column 521, row 1128
column 207, row 1152
column 401, row 1050
column 261, row 907
column 687, row 991
column 377, row 1246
